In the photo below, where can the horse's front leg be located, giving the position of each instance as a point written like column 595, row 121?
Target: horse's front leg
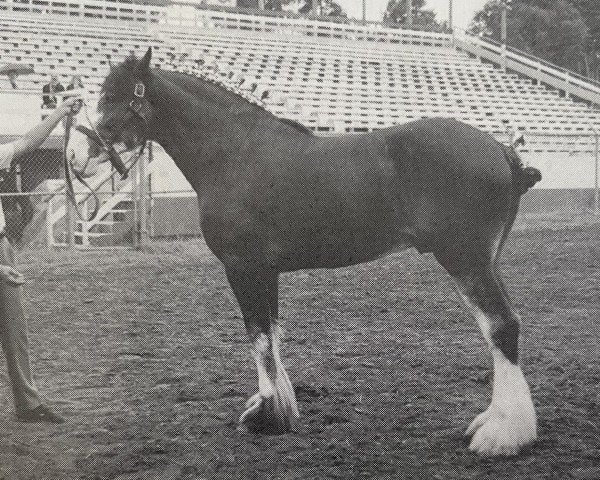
column 273, row 409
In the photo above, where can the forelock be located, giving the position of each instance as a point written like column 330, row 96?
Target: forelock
column 119, row 78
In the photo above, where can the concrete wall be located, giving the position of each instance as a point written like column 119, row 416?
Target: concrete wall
column 563, row 170
column 557, row 200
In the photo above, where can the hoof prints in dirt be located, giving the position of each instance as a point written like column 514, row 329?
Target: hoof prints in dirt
column 417, row 374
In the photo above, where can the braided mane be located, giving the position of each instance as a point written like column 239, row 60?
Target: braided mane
column 230, row 82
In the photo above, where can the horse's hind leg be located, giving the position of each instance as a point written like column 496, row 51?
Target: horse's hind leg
column 273, row 409
column 510, row 422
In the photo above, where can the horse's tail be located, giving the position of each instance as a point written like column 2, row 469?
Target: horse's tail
column 523, row 177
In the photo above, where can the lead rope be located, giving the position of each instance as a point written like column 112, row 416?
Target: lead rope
column 108, row 149
column 69, row 182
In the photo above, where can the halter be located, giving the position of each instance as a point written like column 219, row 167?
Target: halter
column 134, row 107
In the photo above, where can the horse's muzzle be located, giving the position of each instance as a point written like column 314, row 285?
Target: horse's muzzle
column 113, row 155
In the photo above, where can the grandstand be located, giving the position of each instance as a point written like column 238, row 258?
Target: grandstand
column 332, row 77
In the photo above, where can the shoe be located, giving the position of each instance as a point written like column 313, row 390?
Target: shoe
column 39, row 414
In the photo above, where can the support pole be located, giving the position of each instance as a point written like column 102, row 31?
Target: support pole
column 364, row 11
column 69, row 210
column 143, row 209
column 49, row 225
column 596, row 191
column 19, row 178
column 450, row 20
column 70, row 223
column 409, row 14
column 135, row 195
column 503, row 21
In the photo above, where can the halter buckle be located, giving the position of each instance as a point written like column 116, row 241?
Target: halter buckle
column 140, row 90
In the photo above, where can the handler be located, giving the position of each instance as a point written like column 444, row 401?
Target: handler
column 13, row 326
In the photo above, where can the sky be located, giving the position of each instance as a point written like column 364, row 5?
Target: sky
column 463, row 9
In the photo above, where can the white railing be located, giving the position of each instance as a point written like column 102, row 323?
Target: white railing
column 189, row 17
column 125, row 192
column 533, row 67
column 303, row 27
column 87, row 10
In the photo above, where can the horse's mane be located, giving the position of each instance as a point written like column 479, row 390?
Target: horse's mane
column 229, row 84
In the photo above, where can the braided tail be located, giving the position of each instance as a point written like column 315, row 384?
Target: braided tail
column 524, row 177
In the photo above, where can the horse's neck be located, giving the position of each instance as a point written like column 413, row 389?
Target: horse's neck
column 197, row 130
column 204, row 130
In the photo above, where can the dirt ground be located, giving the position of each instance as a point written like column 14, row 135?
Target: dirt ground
column 146, row 354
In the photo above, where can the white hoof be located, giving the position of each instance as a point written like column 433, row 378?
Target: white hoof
column 496, row 432
column 252, row 405
column 265, row 415
column 509, row 423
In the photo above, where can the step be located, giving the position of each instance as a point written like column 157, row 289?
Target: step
column 99, row 222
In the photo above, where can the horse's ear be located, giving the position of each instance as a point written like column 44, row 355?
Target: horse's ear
column 145, row 61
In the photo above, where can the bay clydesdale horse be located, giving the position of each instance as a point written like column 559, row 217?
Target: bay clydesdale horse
column 275, row 198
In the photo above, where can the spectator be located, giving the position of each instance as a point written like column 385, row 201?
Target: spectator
column 76, row 83
column 12, row 78
column 49, row 99
column 13, row 326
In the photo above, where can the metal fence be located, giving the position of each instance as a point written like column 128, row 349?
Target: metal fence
column 38, row 211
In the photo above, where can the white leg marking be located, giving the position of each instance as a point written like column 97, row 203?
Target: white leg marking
column 273, row 385
column 266, row 389
column 285, row 396
column 509, row 423
column 260, row 353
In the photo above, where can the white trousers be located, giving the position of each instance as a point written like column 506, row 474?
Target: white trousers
column 13, row 336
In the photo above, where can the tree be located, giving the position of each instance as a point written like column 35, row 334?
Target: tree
column 551, row 29
column 396, row 13
column 328, row 7
column 590, row 11
column 247, row 4
column 331, row 8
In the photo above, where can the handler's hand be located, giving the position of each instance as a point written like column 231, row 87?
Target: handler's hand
column 71, row 104
column 11, row 276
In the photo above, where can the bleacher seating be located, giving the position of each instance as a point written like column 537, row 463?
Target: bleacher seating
column 330, row 83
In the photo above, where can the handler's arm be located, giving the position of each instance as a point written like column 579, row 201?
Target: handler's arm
column 11, row 276
column 36, row 136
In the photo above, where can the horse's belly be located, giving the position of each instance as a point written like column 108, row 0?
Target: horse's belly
column 340, row 251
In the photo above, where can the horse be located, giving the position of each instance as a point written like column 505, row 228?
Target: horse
column 275, row 198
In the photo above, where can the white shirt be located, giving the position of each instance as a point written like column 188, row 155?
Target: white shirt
column 7, row 151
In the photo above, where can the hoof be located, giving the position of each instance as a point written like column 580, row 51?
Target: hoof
column 495, row 433
column 263, row 416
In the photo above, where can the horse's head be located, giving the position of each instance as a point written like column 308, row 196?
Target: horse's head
column 124, row 112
